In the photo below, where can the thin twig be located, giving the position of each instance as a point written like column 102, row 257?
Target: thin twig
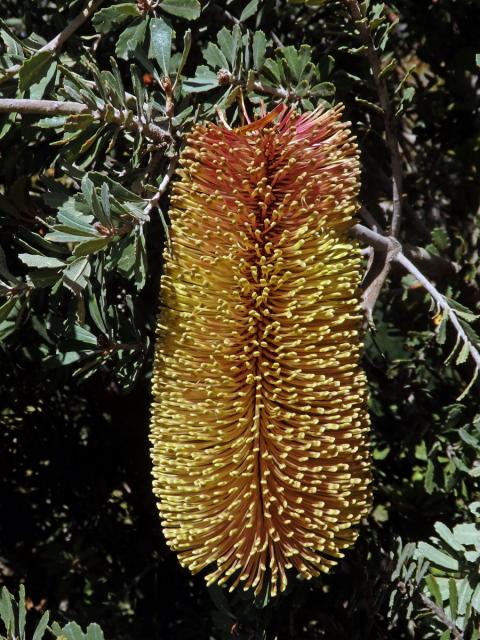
column 58, row 107
column 441, row 615
column 281, row 93
column 55, row 45
column 388, row 116
column 162, row 187
column 441, row 302
column 390, row 246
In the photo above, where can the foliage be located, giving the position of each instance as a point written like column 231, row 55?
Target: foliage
column 83, row 222
column 13, row 614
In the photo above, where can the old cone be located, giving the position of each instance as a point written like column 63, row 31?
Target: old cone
column 259, row 426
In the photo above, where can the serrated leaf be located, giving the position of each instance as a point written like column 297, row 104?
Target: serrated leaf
column 6, row 611
column 94, row 632
column 205, row 80
column 76, row 274
column 323, row 90
column 214, row 57
column 130, row 39
column 72, row 631
column 41, row 262
column 468, row 438
column 107, row 18
column 161, row 43
column 387, row 69
column 188, row 9
column 441, row 331
column 259, row 49
column 447, row 536
column 229, row 41
column 464, row 595
column 476, row 598
column 33, row 69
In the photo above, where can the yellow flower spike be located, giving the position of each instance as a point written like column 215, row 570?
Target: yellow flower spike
column 259, row 426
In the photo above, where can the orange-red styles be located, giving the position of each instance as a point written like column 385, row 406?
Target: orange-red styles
column 259, row 424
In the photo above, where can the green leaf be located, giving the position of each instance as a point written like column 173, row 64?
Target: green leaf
column 205, row 80
column 72, row 631
column 40, row 262
column 161, row 43
column 434, row 589
column 6, row 612
column 466, row 391
column 387, row 69
column 249, row 10
column 441, row 331
column 6, row 308
column 438, row 557
column 76, row 274
column 92, row 246
column 106, row 19
column 130, row 39
column 323, row 90
column 33, row 69
column 464, row 595
column 453, row 598
column 115, row 188
column 229, row 41
column 476, row 598
column 83, row 335
column 41, row 627
column 94, row 632
column 467, row 533
column 187, row 43
column 22, row 611
column 468, row 438
column 189, row 9
column 214, row 57
column 259, row 49
column 297, row 59
column 446, row 535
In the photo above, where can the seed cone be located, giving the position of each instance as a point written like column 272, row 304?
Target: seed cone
column 259, row 427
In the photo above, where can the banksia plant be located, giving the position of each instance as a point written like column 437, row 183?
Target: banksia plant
column 259, row 424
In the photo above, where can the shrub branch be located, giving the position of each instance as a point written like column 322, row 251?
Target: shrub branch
column 389, row 119
column 58, row 107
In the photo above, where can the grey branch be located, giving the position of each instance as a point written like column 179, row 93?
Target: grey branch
column 441, row 615
column 58, row 107
column 390, row 247
column 442, row 303
column 55, row 45
column 162, row 187
column 389, row 119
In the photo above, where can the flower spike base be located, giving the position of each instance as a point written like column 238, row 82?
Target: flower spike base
column 259, row 426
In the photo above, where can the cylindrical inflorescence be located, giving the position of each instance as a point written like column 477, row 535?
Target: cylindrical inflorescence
column 259, row 425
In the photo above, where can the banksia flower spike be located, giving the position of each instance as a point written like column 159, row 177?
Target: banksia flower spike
column 259, row 426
